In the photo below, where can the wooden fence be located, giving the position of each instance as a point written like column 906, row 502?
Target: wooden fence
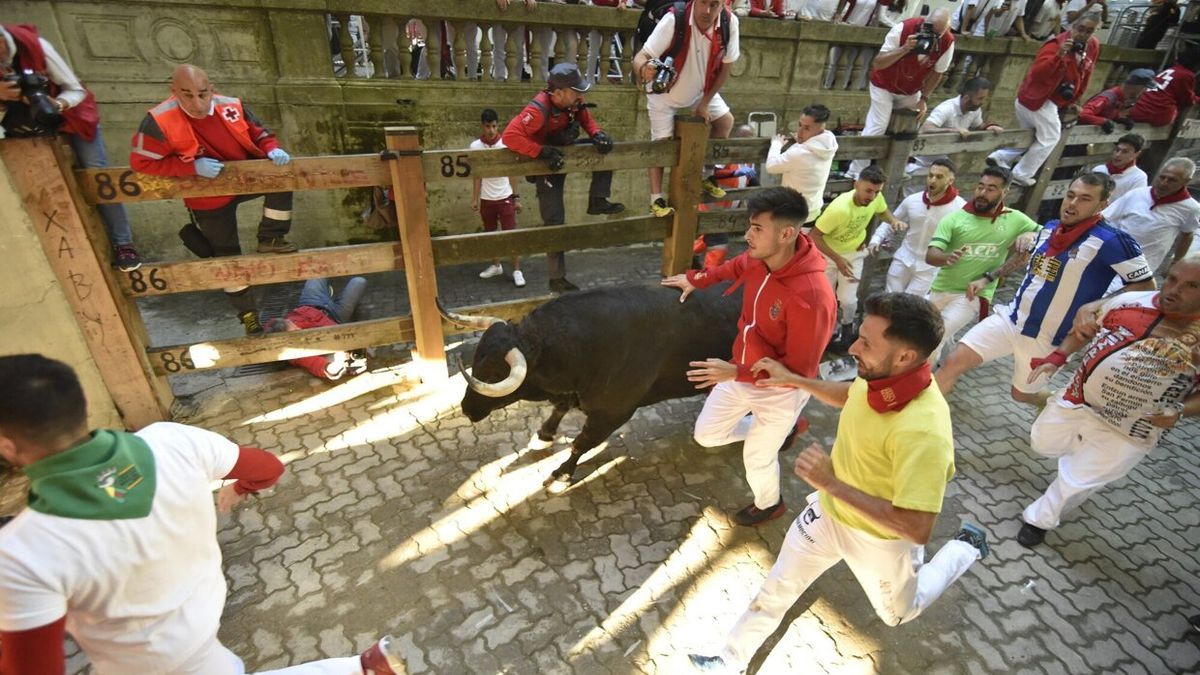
column 135, row 371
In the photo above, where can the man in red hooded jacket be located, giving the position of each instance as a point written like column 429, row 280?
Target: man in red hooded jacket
column 1173, row 91
column 788, row 311
column 1057, row 79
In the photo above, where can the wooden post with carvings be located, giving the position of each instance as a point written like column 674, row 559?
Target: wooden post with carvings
column 684, row 193
column 408, row 183
column 110, row 325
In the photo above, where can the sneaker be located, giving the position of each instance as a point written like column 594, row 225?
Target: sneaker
column 992, row 161
column 126, row 258
column 710, row 187
column 492, row 271
column 1030, row 535
column 975, row 536
column 276, row 245
column 1023, row 182
column 752, row 515
column 562, row 286
column 603, row 207
column 518, row 278
column 660, row 209
column 709, row 664
column 382, row 658
column 250, row 322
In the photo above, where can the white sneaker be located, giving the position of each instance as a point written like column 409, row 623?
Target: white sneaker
column 518, row 278
column 492, row 271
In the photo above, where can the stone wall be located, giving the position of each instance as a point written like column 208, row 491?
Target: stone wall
column 275, row 55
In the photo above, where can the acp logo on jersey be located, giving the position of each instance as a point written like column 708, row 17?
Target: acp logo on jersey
column 981, row 251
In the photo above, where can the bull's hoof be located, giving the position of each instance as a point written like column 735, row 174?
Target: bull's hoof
column 557, row 483
column 539, row 443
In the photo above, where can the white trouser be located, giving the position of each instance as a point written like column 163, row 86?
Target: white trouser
column 957, row 311
column 996, row 336
column 860, row 55
column 772, row 411
column 611, row 65
column 500, row 49
column 846, row 289
column 910, row 277
column 892, row 572
column 1047, row 130
column 878, row 116
column 215, row 659
column 548, row 38
column 1090, row 455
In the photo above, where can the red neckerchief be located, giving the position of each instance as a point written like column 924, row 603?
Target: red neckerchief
column 1170, row 315
column 946, row 198
column 485, row 142
column 891, row 394
column 1063, row 238
column 1114, row 171
column 1169, row 199
column 969, row 207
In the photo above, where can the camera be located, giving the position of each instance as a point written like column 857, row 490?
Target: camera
column 664, row 73
column 1066, row 90
column 43, row 117
column 926, row 39
column 1078, row 46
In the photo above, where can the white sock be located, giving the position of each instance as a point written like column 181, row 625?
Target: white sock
column 655, row 196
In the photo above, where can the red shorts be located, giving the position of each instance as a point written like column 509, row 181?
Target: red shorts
column 499, row 211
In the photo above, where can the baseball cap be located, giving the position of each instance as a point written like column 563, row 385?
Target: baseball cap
column 565, row 75
column 1141, row 76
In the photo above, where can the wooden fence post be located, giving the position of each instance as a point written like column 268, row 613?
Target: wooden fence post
column 1184, row 133
column 408, row 183
column 902, row 129
column 692, row 133
column 109, row 324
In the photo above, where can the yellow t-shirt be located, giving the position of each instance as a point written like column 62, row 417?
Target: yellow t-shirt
column 905, row 457
column 844, row 223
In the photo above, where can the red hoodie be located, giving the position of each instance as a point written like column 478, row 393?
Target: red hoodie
column 1049, row 70
column 787, row 315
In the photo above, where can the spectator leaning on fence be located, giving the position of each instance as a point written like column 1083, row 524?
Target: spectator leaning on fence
column 855, row 13
column 1173, row 92
column 554, row 119
column 907, row 69
column 72, row 112
column 1122, row 166
column 1043, row 18
column 961, row 114
column 1162, row 217
column 702, row 56
column 193, row 133
column 1113, row 105
column 805, row 158
column 1058, row 77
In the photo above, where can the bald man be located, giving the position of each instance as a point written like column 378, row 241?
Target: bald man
column 193, row 133
column 910, row 65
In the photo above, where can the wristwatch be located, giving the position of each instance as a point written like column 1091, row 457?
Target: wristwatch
column 989, row 276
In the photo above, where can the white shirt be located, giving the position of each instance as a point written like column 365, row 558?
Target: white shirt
column 1047, row 21
column 1001, row 23
column 143, row 594
column 947, row 115
column 498, row 187
column 922, row 223
column 956, row 19
column 1072, row 6
column 1154, row 229
column 689, row 86
column 1131, row 178
column 817, row 10
column 892, row 42
column 861, row 13
column 805, row 167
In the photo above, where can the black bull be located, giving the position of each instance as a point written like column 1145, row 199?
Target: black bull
column 606, row 351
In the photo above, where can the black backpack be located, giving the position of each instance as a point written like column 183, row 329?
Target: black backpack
column 656, row 10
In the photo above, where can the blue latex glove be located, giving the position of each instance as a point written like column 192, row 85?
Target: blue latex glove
column 279, row 157
column 206, row 167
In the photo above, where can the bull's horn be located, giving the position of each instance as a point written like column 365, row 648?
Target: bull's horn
column 517, row 369
column 466, row 320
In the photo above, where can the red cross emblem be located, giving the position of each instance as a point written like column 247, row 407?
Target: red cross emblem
column 231, row 114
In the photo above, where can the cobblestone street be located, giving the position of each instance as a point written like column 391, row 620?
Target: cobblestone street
column 397, row 515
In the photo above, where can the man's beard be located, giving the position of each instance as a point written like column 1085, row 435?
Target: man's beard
column 987, row 207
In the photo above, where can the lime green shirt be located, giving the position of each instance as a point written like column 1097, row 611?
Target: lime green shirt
column 844, row 223
column 987, row 244
column 905, row 457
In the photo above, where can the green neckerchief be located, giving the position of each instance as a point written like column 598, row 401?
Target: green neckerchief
column 108, row 477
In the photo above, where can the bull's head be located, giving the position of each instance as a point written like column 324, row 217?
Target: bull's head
column 499, row 367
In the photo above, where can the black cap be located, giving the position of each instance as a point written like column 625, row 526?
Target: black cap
column 566, row 75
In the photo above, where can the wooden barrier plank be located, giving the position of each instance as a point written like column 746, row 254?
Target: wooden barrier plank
column 408, row 185
column 722, row 220
column 41, row 180
column 1085, row 160
column 1057, row 189
column 464, row 248
column 1189, row 130
column 121, row 184
column 684, row 193
column 175, row 359
column 445, row 165
column 977, row 141
column 214, row 273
